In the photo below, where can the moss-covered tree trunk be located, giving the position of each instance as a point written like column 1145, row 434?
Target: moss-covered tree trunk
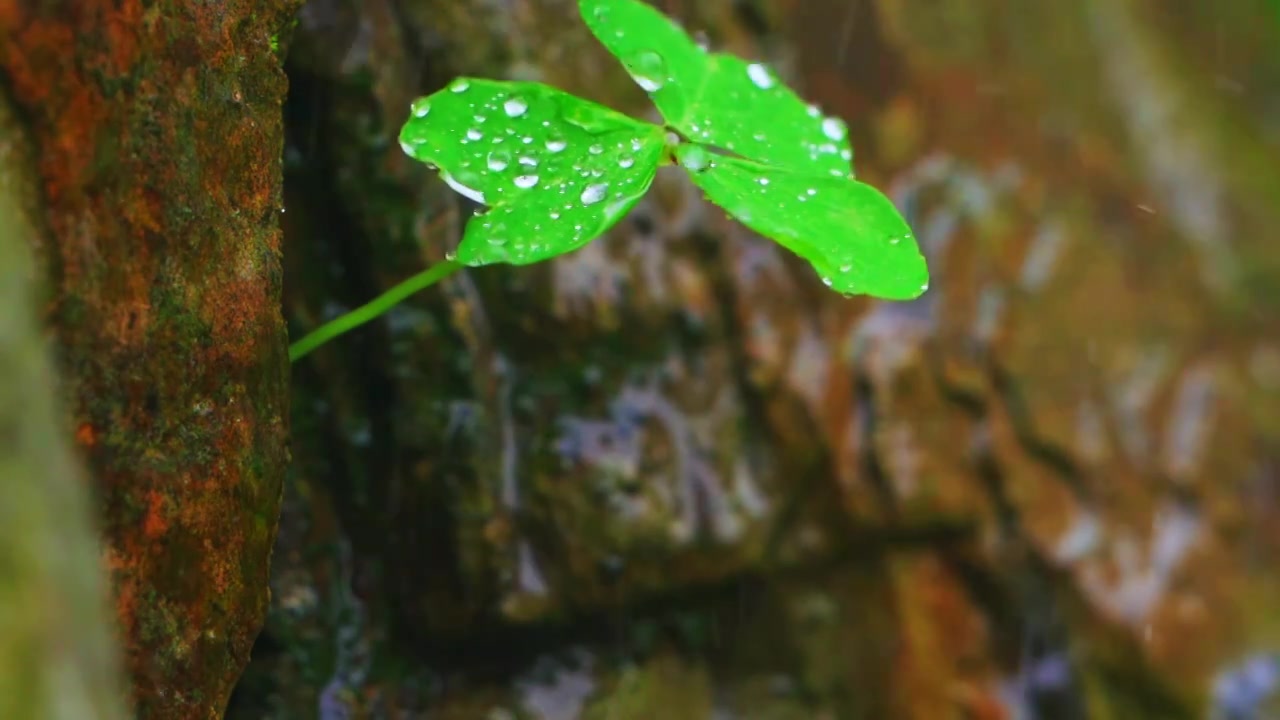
column 158, row 133
column 56, row 657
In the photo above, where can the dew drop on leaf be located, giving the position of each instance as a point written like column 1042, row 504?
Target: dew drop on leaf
column 420, row 107
column 833, row 128
column 596, row 149
column 524, row 182
column 474, row 134
column 696, row 158
column 760, row 76
column 529, row 162
column 460, row 86
column 649, row 70
column 462, row 189
column 556, row 145
column 499, row 160
column 594, row 193
column 626, row 162
column 515, row 107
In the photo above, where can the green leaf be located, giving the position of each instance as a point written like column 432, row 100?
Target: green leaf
column 555, row 170
column 719, row 99
column 849, row 231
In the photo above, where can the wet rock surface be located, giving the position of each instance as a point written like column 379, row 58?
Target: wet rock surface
column 671, row 475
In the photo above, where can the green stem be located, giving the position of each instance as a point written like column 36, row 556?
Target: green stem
column 371, row 309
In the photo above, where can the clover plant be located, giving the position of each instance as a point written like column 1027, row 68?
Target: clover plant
column 556, row 171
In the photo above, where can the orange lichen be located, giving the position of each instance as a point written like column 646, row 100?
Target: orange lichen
column 156, row 193
column 86, row 435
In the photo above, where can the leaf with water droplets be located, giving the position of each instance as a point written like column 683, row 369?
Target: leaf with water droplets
column 774, row 162
column 555, row 170
column 848, row 230
column 718, row 99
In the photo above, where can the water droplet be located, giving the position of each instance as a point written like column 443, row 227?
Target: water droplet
column 526, row 140
column 556, row 145
column 814, row 111
column 760, row 76
column 596, row 149
column 846, row 267
column 696, row 158
column 526, row 181
column 833, row 128
column 474, row 134
column 895, row 241
column 763, row 181
column 594, row 193
column 499, row 160
column 811, row 192
column 515, row 107
column 407, row 148
column 459, row 86
column 924, row 287
column 555, row 216
column 649, row 70
column 626, row 162
column 451, row 256
column 420, row 107
column 529, row 162
column 827, row 281
column 462, row 189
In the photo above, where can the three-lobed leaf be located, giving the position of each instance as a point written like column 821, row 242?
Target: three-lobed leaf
column 555, row 170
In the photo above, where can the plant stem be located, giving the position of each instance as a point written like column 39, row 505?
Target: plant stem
column 371, row 309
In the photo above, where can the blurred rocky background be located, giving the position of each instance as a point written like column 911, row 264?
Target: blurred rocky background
column 671, row 476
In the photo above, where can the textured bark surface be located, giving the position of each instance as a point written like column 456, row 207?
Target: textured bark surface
column 671, row 470
column 157, row 127
column 58, row 658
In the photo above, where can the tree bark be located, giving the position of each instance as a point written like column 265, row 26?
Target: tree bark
column 159, row 136
column 56, row 655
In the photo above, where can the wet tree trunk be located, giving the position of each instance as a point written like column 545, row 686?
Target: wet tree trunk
column 157, row 128
column 56, row 657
